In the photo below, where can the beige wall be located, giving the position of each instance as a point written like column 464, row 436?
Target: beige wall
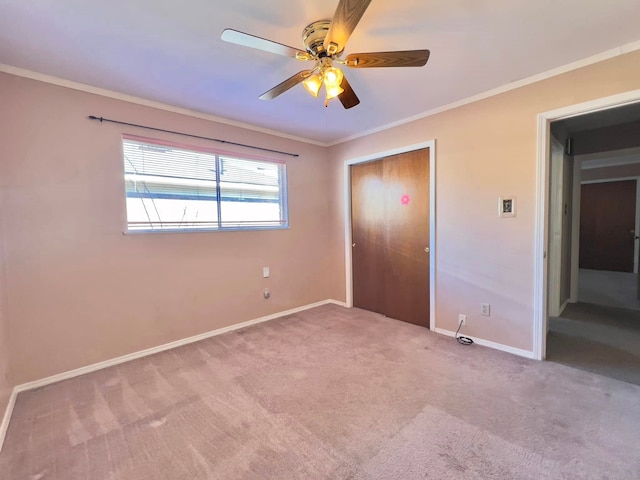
column 5, row 381
column 79, row 290
column 484, row 150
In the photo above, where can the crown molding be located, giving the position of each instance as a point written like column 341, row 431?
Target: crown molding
column 600, row 57
column 554, row 72
column 61, row 82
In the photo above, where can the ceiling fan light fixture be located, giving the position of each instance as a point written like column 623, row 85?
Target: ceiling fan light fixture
column 333, row 91
column 313, row 84
column 333, row 77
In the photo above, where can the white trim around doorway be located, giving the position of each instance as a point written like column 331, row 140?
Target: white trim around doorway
column 431, row 145
column 540, row 307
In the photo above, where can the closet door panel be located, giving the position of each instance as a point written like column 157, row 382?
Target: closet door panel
column 406, row 237
column 367, row 233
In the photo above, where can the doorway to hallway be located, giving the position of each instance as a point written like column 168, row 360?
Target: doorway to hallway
column 596, row 324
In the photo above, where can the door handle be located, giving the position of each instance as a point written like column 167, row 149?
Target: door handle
column 427, row 249
column 353, row 244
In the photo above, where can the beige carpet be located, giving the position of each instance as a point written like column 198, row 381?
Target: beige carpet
column 614, row 289
column 330, row 393
column 597, row 338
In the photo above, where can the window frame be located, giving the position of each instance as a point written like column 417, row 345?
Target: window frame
column 282, row 185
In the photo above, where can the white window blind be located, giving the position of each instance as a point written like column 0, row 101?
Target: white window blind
column 177, row 188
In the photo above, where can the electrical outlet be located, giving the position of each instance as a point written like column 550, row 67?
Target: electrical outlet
column 485, row 309
column 462, row 319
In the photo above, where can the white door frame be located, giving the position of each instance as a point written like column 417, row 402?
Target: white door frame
column 540, row 307
column 575, row 229
column 431, row 145
column 554, row 277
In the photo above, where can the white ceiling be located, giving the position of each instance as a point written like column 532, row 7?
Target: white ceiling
column 170, row 51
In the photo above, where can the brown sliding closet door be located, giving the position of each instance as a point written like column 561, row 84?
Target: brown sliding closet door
column 390, row 231
column 406, row 263
column 367, row 234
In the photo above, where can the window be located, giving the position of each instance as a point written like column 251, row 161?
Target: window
column 176, row 188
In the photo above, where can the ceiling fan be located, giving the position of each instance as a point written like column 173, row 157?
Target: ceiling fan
column 324, row 42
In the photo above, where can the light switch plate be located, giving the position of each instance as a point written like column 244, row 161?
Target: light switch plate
column 507, row 206
column 265, row 272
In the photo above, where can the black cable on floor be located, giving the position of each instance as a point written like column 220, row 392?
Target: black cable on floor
column 462, row 340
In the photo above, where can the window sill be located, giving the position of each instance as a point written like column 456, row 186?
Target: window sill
column 204, row 230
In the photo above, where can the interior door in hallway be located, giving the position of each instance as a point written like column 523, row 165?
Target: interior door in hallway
column 390, row 232
column 607, row 225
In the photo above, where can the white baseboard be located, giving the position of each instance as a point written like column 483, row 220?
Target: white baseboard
column 337, row 302
column 563, row 306
column 487, row 343
column 142, row 353
column 4, row 426
column 161, row 348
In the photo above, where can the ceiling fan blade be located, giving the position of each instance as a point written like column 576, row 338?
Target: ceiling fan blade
column 246, row 40
column 408, row 58
column 286, row 85
column 348, row 98
column 345, row 19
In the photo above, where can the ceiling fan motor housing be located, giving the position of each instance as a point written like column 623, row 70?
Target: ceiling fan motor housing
column 313, row 36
